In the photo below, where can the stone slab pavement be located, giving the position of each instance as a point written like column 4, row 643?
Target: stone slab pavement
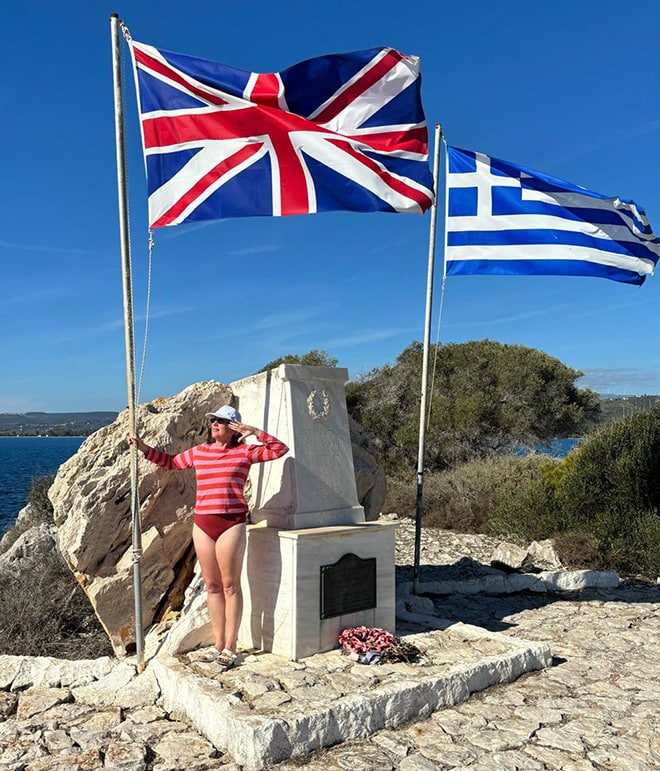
column 596, row 706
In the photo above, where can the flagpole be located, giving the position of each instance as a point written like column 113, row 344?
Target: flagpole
column 129, row 341
column 425, row 362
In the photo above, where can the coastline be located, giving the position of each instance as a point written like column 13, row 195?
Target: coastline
column 24, row 459
column 44, row 436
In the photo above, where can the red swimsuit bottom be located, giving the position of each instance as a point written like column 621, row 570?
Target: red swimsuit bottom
column 214, row 525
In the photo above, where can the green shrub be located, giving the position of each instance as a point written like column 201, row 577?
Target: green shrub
column 604, row 498
column 616, row 471
column 642, row 553
column 579, row 551
column 525, row 513
column 528, row 509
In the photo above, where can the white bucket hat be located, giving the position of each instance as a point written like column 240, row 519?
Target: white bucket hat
column 226, row 413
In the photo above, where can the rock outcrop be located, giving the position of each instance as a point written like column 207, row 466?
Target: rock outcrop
column 369, row 474
column 538, row 556
column 92, row 510
column 91, row 497
column 21, row 553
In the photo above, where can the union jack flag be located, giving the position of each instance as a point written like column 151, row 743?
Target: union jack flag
column 338, row 132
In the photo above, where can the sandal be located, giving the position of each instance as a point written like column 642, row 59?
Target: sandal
column 210, row 657
column 226, row 658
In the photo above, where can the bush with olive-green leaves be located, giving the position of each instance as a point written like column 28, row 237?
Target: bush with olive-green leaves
column 603, row 499
column 484, row 397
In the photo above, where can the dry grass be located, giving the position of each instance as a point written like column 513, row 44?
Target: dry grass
column 43, row 610
column 516, row 498
column 45, row 613
column 464, row 498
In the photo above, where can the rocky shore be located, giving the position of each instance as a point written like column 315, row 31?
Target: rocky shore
column 594, row 707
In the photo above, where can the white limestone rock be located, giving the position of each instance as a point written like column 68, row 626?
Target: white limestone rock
column 190, row 630
column 20, row 672
column 10, row 666
column 508, row 556
column 369, row 474
column 538, row 556
column 29, row 548
column 36, row 700
column 120, row 688
column 575, row 580
column 21, row 520
column 409, row 603
column 542, row 554
column 126, row 756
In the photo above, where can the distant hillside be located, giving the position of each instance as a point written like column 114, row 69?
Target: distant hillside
column 85, row 423
column 617, row 407
column 53, row 423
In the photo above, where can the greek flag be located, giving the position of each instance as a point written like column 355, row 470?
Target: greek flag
column 508, row 220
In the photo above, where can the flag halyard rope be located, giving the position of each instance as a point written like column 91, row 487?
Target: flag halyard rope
column 443, row 145
column 435, row 353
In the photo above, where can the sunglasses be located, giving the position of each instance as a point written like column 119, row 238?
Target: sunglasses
column 222, row 421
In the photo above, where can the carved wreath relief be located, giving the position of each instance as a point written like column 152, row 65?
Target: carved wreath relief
column 318, row 404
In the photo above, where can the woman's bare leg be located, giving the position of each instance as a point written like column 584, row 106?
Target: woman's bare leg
column 229, row 551
column 205, row 548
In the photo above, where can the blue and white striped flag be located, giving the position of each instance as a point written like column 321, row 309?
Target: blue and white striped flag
column 506, row 219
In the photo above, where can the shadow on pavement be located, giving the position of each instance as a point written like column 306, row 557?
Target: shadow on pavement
column 497, row 612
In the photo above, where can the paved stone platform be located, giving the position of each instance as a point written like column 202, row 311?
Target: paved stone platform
column 269, row 709
column 594, row 708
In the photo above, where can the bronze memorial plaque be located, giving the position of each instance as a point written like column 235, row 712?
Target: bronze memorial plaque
column 348, row 585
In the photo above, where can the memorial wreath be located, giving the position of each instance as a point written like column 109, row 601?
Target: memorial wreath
column 372, row 645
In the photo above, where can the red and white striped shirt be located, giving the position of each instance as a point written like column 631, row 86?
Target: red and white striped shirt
column 221, row 472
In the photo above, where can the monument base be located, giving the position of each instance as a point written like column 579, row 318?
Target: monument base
column 297, row 599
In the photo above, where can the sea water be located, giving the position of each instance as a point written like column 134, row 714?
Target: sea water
column 559, row 448
column 22, row 458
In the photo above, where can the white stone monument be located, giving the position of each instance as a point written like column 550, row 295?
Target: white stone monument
column 313, row 565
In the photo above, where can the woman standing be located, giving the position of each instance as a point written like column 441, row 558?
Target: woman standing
column 221, row 469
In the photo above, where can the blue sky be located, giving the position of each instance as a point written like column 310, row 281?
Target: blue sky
column 568, row 88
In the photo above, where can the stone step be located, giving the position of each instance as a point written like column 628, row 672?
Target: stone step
column 268, row 709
